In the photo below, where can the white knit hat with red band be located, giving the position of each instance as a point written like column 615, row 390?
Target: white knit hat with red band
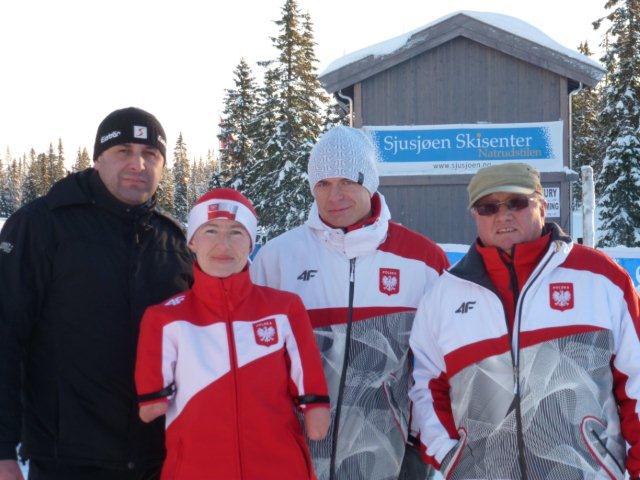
column 223, row 203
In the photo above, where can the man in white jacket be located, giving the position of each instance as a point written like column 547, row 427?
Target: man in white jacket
column 527, row 355
column 361, row 277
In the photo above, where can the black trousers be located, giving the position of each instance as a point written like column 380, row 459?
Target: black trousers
column 52, row 471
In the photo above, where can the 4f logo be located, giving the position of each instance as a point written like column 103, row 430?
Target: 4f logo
column 465, row 307
column 175, row 301
column 307, row 275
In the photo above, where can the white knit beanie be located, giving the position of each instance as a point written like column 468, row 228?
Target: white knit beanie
column 223, row 203
column 344, row 152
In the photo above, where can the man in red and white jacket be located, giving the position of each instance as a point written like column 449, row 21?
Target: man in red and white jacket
column 360, row 276
column 527, row 351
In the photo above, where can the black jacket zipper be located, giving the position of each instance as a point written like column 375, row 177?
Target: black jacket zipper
column 343, row 374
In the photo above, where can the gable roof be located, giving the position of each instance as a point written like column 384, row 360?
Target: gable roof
column 509, row 35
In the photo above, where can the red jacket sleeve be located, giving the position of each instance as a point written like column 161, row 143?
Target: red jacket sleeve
column 307, row 383
column 155, row 360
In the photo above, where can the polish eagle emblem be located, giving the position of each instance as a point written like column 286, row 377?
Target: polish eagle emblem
column 561, row 296
column 389, row 281
column 266, row 332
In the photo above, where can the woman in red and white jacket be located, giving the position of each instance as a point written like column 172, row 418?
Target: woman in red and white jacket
column 227, row 361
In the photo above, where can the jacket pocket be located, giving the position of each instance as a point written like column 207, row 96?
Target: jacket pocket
column 452, row 459
column 593, row 432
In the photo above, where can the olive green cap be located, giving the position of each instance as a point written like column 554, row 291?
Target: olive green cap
column 505, row 177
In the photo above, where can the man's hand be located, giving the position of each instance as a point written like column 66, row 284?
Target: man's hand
column 316, row 422
column 150, row 412
column 9, row 470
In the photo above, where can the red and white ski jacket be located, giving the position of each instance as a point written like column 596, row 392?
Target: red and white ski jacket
column 390, row 267
column 231, row 358
column 559, row 398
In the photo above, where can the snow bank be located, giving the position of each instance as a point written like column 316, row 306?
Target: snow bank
column 507, row 23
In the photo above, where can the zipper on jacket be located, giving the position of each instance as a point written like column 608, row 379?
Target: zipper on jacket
column 343, row 374
column 133, row 259
column 513, row 280
column 234, row 371
column 515, row 351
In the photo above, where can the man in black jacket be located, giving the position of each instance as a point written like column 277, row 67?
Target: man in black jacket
column 78, row 267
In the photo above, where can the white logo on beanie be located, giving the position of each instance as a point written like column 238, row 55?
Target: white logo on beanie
column 139, row 132
column 162, row 141
column 109, row 136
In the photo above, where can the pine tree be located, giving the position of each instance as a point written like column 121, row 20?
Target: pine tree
column 31, row 186
column 282, row 193
column 166, row 191
column 335, row 113
column 237, row 126
column 59, row 169
column 619, row 180
column 44, row 165
column 14, row 186
column 83, row 161
column 4, row 187
column 201, row 172
column 213, row 172
column 587, row 145
column 181, row 180
column 266, row 151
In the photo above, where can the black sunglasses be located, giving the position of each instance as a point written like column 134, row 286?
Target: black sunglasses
column 514, row 204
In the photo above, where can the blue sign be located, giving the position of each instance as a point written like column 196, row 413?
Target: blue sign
column 445, row 149
column 477, row 143
column 632, row 266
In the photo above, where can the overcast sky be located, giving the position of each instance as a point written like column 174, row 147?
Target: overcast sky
column 65, row 64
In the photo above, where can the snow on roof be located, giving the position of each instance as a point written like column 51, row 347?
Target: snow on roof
column 509, row 24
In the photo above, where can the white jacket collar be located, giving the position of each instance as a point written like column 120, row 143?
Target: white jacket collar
column 355, row 243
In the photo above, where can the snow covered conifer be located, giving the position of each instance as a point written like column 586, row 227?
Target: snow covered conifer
column 83, row 161
column 200, row 177
column 30, row 186
column 14, row 186
column 59, row 170
column 166, row 191
column 237, row 126
column 335, row 114
column 619, row 180
column 587, row 145
column 181, row 179
column 4, row 187
column 295, row 102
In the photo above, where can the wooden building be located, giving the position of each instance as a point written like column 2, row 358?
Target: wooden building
column 466, row 68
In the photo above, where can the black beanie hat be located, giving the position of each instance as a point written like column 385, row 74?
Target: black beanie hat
column 129, row 125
